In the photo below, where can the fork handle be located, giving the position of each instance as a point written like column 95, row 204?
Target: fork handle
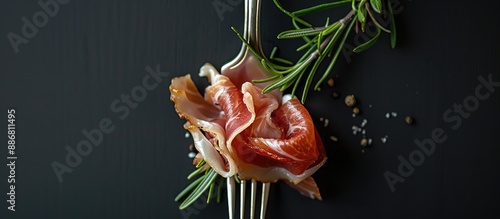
column 252, row 24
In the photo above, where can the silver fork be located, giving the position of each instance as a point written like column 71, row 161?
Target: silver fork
column 231, row 196
column 252, row 35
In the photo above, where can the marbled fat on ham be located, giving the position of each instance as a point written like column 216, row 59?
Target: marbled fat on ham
column 239, row 130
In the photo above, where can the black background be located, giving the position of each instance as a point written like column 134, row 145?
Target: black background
column 91, row 52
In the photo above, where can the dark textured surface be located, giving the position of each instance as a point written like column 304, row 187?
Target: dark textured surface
column 91, row 52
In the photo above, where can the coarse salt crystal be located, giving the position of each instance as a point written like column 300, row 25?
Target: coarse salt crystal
column 327, row 122
column 387, row 115
column 364, row 123
column 186, row 135
column 333, row 138
column 384, row 139
column 191, row 155
column 394, row 114
column 369, row 141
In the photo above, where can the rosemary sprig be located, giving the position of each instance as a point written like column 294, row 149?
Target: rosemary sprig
column 320, row 42
column 200, row 186
column 206, row 183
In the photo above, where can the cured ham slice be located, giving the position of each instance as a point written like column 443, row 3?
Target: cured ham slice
column 239, row 130
column 307, row 188
column 250, row 70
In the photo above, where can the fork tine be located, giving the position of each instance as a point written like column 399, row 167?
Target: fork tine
column 230, row 196
column 263, row 202
column 253, row 192
column 242, row 198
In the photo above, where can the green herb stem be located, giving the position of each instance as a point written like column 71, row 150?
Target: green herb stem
column 320, row 7
column 189, row 188
column 205, row 183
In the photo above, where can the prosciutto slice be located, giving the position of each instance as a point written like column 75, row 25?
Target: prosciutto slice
column 239, row 130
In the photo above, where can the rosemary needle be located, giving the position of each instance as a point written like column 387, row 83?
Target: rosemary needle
column 210, row 192
column 189, row 188
column 196, row 172
column 205, row 183
column 219, row 190
column 201, row 163
column 237, row 179
column 320, row 7
column 392, row 25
